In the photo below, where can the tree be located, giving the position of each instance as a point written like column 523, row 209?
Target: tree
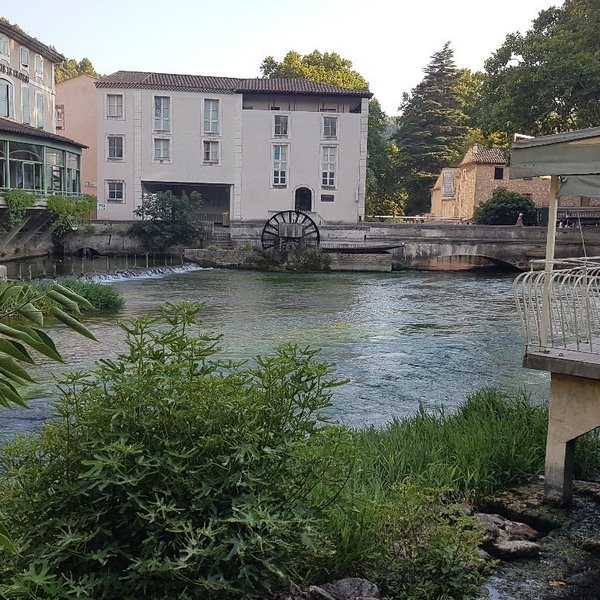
column 168, row 219
column 328, row 67
column 547, row 80
column 384, row 195
column 71, row 68
column 431, row 129
column 503, row 208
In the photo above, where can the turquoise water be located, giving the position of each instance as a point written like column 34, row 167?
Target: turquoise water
column 401, row 339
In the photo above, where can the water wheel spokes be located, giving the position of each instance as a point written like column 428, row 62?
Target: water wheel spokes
column 288, row 230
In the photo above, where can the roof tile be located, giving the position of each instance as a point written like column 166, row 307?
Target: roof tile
column 8, row 126
column 222, row 85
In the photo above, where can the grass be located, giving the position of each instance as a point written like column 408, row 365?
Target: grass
column 102, row 296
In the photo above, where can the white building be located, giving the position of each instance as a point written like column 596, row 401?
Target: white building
column 32, row 156
column 251, row 147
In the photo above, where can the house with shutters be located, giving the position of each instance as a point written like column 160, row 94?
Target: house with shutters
column 32, row 156
column 250, row 147
column 459, row 191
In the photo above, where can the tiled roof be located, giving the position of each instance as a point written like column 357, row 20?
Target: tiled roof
column 297, row 86
column 222, row 85
column 488, row 156
column 8, row 126
column 16, row 33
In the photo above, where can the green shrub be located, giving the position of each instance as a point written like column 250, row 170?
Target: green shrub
column 69, row 213
column 173, row 475
column 17, row 202
column 503, row 208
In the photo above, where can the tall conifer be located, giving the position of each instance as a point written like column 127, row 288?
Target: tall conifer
column 431, row 129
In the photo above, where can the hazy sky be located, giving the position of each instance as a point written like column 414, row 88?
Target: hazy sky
column 388, row 41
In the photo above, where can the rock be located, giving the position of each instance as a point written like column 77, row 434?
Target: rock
column 591, row 489
column 591, row 545
column 526, row 504
column 317, row 593
column 521, row 531
column 352, row 588
column 513, row 549
column 490, row 525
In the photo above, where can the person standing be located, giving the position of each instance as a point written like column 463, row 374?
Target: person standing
column 520, row 220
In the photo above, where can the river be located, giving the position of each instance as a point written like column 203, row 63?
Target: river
column 401, row 339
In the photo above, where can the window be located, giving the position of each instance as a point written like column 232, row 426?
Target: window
column 162, row 113
column 498, row 172
column 114, row 106
column 327, row 197
column 4, row 47
column 39, row 66
column 25, row 106
column 211, row 153
column 329, row 127
column 162, row 149
column 39, row 110
column 55, row 169
column 280, row 163
column 328, row 166
column 211, row 116
column 24, row 58
column 115, row 147
column 73, row 183
column 281, row 126
column 59, row 110
column 26, row 163
column 6, row 98
column 115, row 191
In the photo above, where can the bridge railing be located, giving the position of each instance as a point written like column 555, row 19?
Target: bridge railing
column 561, row 308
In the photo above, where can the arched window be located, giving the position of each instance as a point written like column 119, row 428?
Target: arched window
column 6, row 98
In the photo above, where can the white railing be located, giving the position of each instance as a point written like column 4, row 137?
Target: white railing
column 561, row 308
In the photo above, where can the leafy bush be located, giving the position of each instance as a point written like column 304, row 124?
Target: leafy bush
column 168, row 220
column 172, row 474
column 69, row 213
column 17, row 202
column 503, row 208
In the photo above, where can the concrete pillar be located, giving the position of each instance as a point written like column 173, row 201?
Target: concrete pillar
column 574, row 410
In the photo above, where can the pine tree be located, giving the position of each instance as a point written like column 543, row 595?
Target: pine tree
column 430, row 130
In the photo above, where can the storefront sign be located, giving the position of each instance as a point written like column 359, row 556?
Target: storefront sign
column 14, row 73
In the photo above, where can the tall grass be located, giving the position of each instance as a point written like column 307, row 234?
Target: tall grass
column 102, row 296
column 492, row 441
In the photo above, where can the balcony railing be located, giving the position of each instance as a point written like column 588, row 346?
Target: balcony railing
column 561, row 308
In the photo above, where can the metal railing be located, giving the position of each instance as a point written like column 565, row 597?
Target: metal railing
column 561, row 308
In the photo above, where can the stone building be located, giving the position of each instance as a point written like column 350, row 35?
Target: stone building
column 251, row 147
column 459, row 191
column 32, row 156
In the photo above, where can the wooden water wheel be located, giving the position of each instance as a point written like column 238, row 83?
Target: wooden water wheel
column 290, row 230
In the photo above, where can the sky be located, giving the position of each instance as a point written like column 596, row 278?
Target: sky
column 389, row 42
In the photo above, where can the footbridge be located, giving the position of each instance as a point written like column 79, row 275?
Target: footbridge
column 445, row 246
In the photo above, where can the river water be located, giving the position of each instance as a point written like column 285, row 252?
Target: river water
column 401, row 339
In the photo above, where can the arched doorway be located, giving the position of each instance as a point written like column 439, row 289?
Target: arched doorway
column 303, row 199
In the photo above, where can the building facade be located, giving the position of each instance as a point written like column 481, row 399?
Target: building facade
column 250, row 147
column 76, row 119
column 32, row 156
column 459, row 191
